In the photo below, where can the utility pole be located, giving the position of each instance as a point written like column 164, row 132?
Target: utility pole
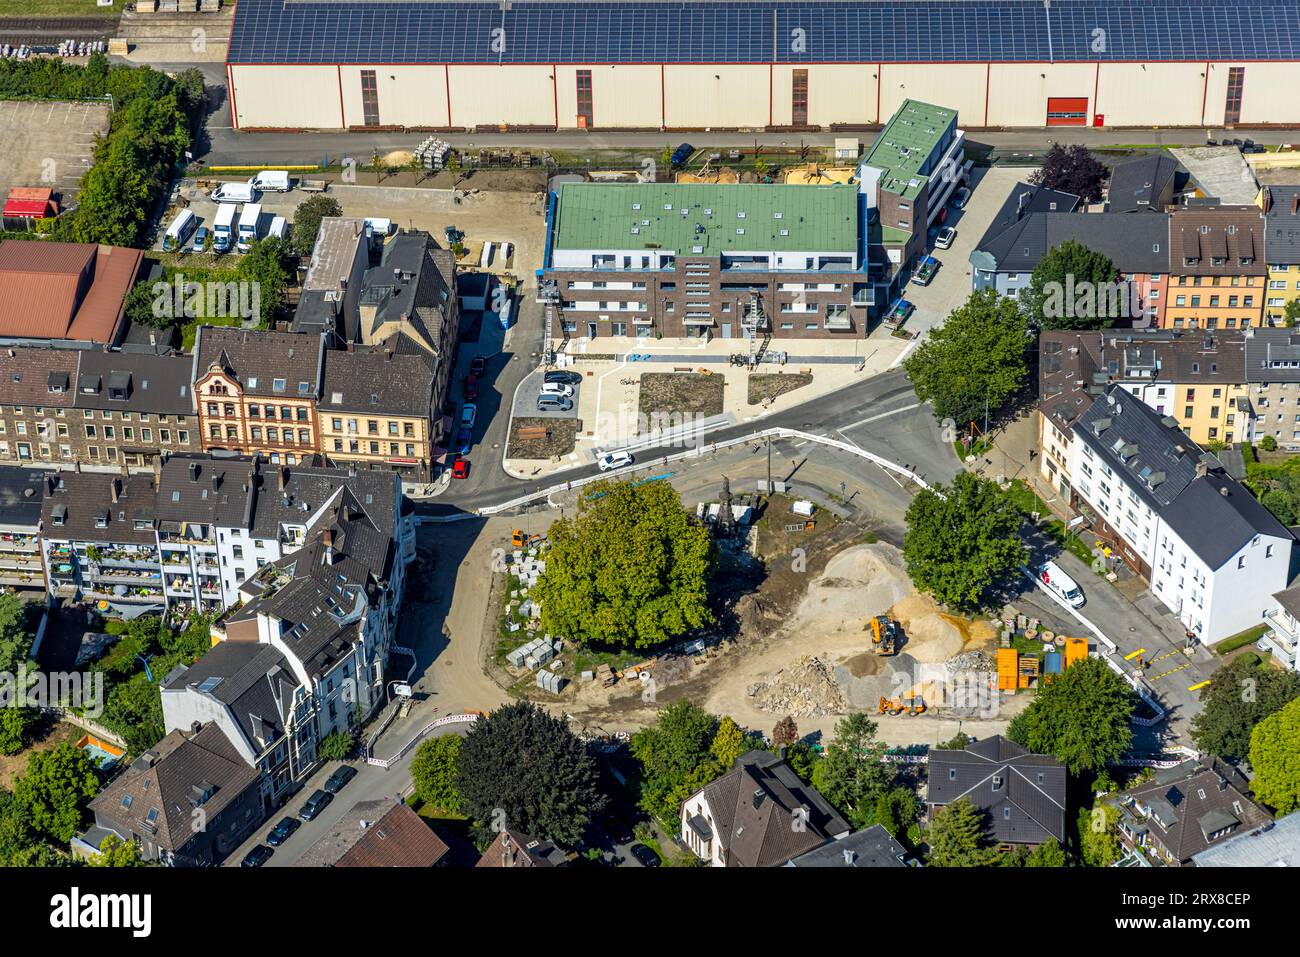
column 769, row 465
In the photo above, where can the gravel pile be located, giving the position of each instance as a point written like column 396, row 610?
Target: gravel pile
column 805, row 689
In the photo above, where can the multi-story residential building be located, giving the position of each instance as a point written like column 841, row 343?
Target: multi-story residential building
column 696, row 261
column 1147, row 184
column 1273, row 374
column 97, row 409
column 100, row 540
column 1283, row 636
column 64, row 292
column 257, row 391
column 1005, row 260
column 21, row 566
column 379, row 409
column 1024, row 200
column 1216, row 268
column 1211, row 553
column 331, row 291
column 909, row 174
column 1199, row 378
column 412, row 291
column 1282, row 250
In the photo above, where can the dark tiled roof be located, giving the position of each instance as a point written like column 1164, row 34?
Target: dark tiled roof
column 80, row 499
column 250, row 678
column 258, row 359
column 1134, row 245
column 178, row 775
column 1282, row 224
column 871, row 847
column 378, row 833
column 1024, row 200
column 413, row 284
column 1273, row 355
column 201, row 489
column 379, row 380
column 375, row 489
column 1136, row 186
column 1229, row 233
column 29, row 373
column 147, row 383
column 754, row 809
column 1271, row 845
column 514, row 849
column 22, row 493
column 1211, row 513
column 1191, row 801
column 1024, row 793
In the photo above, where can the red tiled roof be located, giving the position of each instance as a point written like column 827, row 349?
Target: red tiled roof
column 64, row 290
column 31, row 202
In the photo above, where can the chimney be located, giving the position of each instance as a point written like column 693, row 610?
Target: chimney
column 116, row 487
column 1201, row 469
column 196, row 727
column 849, row 857
column 194, row 471
column 327, row 538
column 157, row 470
column 1295, row 202
column 1267, row 199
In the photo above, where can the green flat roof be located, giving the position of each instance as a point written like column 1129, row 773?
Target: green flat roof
column 779, row 218
column 906, row 142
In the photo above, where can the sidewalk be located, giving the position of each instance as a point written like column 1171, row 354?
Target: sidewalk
column 608, row 407
column 1010, row 458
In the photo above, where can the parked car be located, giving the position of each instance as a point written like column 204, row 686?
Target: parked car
column 554, row 403
column 562, row 377
column 200, row 241
column 341, row 776
column 464, row 440
column 467, row 413
column 682, row 154
column 615, row 460
column 471, row 386
column 1058, row 581
column 315, row 804
column 257, row 856
column 282, row 831
column 620, row 832
column 478, row 365
column 460, row 468
column 960, row 196
column 557, row 388
column 647, row 857
column 945, row 237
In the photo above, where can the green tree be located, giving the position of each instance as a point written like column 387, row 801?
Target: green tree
column 133, row 709
column 976, row 361
column 729, row 743
column 14, row 724
column 802, row 758
column 962, row 543
column 631, row 569
column 337, row 746
column 15, row 633
column 958, row 837
column 897, row 810
column 1275, row 758
column 306, row 221
column 1074, row 287
column 54, row 790
column 1239, row 696
column 524, row 769
column 435, row 771
column 1098, row 838
column 1291, row 312
column 1071, row 169
column 1050, row 854
column 115, row 852
column 675, row 753
column 852, row 775
column 1081, row 717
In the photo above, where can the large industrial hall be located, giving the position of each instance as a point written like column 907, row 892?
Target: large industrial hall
column 770, row 66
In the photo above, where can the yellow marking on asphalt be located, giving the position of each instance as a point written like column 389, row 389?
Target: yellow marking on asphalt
column 1198, row 687
column 1140, row 651
column 1171, row 671
column 1167, row 654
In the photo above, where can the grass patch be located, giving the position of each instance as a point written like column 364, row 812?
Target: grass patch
column 1071, row 543
column 1026, row 499
column 560, row 439
column 770, row 386
column 190, row 331
column 70, row 9
column 681, row 394
column 1241, row 639
column 980, row 447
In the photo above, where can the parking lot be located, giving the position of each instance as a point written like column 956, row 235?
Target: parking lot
column 48, row 144
column 525, row 404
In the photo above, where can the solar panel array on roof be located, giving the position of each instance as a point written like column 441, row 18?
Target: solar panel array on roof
column 851, row 31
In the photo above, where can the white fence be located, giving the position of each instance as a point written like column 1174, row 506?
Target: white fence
column 468, row 718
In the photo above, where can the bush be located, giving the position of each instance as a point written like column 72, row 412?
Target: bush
column 1268, row 443
column 337, row 746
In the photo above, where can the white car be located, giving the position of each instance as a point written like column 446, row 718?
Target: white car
column 557, row 388
column 945, row 237
column 614, row 460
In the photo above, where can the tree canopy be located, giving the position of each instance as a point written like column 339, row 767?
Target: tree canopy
column 1239, row 696
column 435, row 771
column 963, row 541
column 1080, row 717
column 676, row 756
column 306, row 221
column 1071, row 169
column 851, row 776
column 958, row 837
column 15, row 632
column 631, row 569
column 976, row 360
column 1074, row 287
column 523, row 769
column 54, row 790
column 1275, row 758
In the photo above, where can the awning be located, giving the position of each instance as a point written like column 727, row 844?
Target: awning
column 440, row 456
column 28, row 208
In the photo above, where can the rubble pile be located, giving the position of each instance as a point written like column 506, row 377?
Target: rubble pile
column 805, row 689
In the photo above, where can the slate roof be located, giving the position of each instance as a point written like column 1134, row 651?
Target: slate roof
column 22, row 492
column 172, row 780
column 1023, row 793
column 1025, row 199
column 1136, row 186
column 75, row 500
column 1273, row 355
column 28, row 376
column 380, row 833
column 421, row 300
column 1187, row 803
column 252, row 679
column 153, row 383
column 201, row 489
column 515, row 849
column 1282, row 225
column 1134, row 245
column 1213, row 514
column 754, row 807
column 870, row 847
column 379, row 380
column 1276, row 844
column 258, row 358
column 1204, row 234
column 375, row 489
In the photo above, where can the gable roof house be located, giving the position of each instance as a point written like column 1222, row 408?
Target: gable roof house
column 758, row 814
column 516, row 849
column 332, row 287
column 871, row 847
column 1023, row 793
column 1187, row 809
column 382, row 833
column 154, row 801
column 1142, row 185
column 70, row 292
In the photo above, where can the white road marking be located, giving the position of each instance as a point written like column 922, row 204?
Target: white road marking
column 878, row 416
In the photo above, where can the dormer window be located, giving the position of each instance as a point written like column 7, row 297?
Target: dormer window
column 277, row 385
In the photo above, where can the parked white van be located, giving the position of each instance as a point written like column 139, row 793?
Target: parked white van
column 1058, row 581
column 179, row 231
column 279, row 226
column 272, row 181
column 249, row 221
column 234, row 193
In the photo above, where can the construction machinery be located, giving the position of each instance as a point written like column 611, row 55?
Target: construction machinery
column 912, row 702
column 884, row 635
column 521, row 539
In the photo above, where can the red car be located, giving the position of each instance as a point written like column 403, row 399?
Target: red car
column 471, row 387
column 460, row 468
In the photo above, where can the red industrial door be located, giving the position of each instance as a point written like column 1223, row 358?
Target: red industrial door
column 1067, row 111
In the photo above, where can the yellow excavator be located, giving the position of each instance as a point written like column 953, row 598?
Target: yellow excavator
column 912, row 702
column 884, row 635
